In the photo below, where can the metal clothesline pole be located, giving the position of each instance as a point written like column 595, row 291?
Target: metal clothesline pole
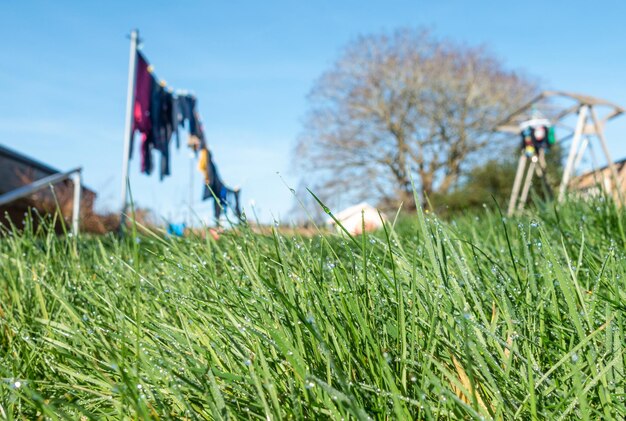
column 76, row 179
column 128, row 126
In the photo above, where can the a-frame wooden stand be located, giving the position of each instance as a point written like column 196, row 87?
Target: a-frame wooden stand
column 589, row 128
column 536, row 166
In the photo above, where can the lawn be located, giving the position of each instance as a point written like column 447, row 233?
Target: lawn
column 479, row 317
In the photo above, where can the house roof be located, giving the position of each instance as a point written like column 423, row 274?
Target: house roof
column 590, row 178
column 618, row 166
column 16, row 156
column 21, row 158
column 355, row 210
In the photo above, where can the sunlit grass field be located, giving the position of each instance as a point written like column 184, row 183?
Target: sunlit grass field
column 479, row 317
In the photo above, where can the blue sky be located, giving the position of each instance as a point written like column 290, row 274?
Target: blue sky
column 63, row 73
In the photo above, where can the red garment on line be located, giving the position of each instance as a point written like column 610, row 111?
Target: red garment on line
column 143, row 89
column 141, row 110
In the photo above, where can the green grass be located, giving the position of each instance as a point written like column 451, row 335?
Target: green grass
column 480, row 317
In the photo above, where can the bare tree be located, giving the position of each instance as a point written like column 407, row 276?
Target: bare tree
column 400, row 108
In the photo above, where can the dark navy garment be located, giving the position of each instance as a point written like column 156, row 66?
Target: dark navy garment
column 176, row 119
column 227, row 198
column 187, row 112
column 167, row 130
column 162, row 119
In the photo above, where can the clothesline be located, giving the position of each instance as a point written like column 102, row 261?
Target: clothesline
column 536, row 135
column 159, row 112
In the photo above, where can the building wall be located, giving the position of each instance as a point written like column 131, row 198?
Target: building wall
column 589, row 184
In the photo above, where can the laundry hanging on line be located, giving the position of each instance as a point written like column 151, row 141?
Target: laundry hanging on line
column 158, row 113
column 214, row 188
column 535, row 138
